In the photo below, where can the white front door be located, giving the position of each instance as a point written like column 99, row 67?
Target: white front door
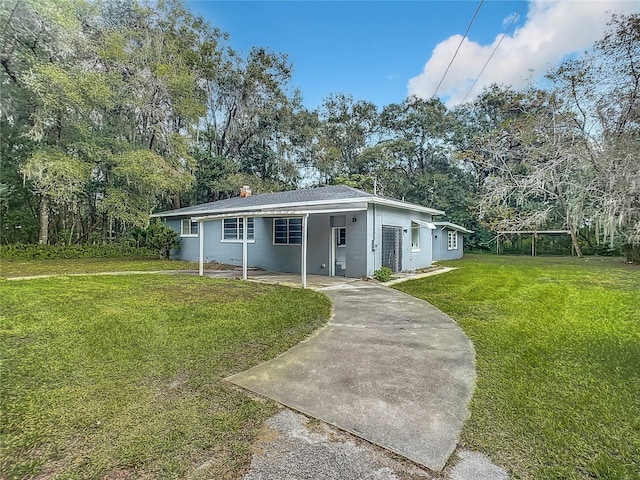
column 338, row 260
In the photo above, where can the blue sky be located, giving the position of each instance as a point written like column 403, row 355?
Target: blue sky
column 382, row 51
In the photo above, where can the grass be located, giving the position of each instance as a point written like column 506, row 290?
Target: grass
column 27, row 268
column 122, row 376
column 558, row 361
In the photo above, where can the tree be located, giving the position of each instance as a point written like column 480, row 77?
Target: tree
column 113, row 85
column 162, row 238
column 32, row 35
column 603, row 92
column 345, row 129
column 417, row 143
column 57, row 177
column 567, row 158
column 251, row 125
column 538, row 176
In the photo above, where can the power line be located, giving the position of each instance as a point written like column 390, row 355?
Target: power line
column 458, row 49
column 513, row 20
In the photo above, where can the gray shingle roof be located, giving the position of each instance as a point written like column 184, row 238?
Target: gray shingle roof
column 293, row 197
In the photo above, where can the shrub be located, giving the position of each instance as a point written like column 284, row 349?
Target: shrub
column 383, row 274
column 632, row 252
column 162, row 239
column 30, row 251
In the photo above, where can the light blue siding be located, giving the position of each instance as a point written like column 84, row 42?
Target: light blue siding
column 357, row 251
column 363, row 253
column 441, row 245
column 262, row 253
column 411, row 260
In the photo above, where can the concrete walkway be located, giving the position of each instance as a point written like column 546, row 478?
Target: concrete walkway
column 388, row 368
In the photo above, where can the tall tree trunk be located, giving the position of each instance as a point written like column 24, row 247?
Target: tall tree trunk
column 574, row 242
column 44, row 220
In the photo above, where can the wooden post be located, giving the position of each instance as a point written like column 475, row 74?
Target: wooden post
column 498, row 244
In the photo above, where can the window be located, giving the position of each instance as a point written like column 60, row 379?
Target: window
column 188, row 228
column 415, row 237
column 452, row 240
column 232, row 229
column 287, row 231
column 341, row 237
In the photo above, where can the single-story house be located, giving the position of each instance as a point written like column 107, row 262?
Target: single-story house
column 448, row 241
column 333, row 230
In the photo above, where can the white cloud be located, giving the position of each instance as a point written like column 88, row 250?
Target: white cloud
column 552, row 30
column 514, row 17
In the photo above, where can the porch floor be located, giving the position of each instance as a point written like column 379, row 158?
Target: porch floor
column 289, row 279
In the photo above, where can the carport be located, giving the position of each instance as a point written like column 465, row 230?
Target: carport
column 303, row 214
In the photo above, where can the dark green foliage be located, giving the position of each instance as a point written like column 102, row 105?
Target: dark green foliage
column 162, row 238
column 632, row 252
column 383, row 274
column 22, row 251
column 100, row 127
column 138, row 235
column 18, row 207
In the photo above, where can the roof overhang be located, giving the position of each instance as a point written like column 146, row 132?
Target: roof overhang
column 282, row 212
column 453, row 226
column 406, row 206
column 422, row 223
column 329, row 206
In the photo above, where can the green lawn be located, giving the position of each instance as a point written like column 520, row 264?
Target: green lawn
column 26, row 268
column 122, row 376
column 558, row 360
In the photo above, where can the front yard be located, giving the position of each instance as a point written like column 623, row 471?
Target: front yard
column 28, row 268
column 122, row 376
column 558, row 361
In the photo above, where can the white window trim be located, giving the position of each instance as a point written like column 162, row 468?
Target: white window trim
column 344, row 245
column 415, row 228
column 191, row 235
column 452, row 245
column 273, row 231
column 237, row 240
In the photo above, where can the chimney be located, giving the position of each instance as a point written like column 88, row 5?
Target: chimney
column 245, row 191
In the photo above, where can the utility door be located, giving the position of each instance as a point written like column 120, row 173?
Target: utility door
column 392, row 247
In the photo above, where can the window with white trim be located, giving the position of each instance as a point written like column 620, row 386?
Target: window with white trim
column 233, row 229
column 415, row 237
column 452, row 240
column 287, row 231
column 188, row 228
column 341, row 237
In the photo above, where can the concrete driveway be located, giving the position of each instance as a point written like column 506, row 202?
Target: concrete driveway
column 388, row 368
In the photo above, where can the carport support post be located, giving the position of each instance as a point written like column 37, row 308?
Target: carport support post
column 244, row 248
column 201, row 254
column 303, row 269
column 533, row 244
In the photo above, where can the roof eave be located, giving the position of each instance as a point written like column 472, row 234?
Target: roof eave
column 453, row 226
column 406, row 206
column 254, row 208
